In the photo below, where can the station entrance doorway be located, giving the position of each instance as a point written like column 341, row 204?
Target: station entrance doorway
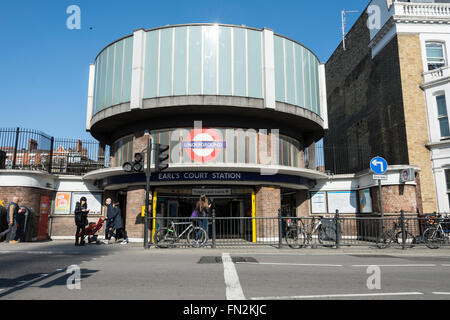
column 233, row 207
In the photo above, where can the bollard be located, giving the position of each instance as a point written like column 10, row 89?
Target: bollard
column 338, row 230
column 213, row 228
column 402, row 221
column 280, row 230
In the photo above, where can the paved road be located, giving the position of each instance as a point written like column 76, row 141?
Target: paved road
column 39, row 271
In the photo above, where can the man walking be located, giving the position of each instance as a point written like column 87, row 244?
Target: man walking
column 11, row 217
column 109, row 220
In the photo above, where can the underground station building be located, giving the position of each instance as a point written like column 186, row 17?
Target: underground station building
column 240, row 109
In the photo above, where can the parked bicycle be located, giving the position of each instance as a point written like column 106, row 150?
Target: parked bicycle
column 167, row 237
column 300, row 234
column 438, row 233
column 394, row 235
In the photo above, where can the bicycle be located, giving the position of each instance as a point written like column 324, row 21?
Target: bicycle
column 167, row 237
column 392, row 235
column 301, row 236
column 437, row 235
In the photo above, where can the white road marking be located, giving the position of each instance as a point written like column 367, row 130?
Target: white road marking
column 445, row 265
column 442, row 293
column 340, row 296
column 233, row 286
column 394, row 265
column 292, row 264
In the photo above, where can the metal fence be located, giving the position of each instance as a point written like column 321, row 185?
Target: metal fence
column 402, row 231
column 77, row 157
column 29, row 149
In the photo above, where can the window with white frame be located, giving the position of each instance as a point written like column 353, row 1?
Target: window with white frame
column 442, row 116
column 435, row 55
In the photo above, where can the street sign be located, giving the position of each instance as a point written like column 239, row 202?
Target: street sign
column 378, row 165
column 407, row 175
column 380, row 177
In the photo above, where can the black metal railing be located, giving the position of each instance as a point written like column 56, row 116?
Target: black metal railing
column 29, row 149
column 401, row 231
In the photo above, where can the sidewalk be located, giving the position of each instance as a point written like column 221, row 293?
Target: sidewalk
column 67, row 247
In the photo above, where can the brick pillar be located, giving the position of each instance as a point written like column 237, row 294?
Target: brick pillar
column 302, row 203
column 395, row 198
column 134, row 223
column 268, row 201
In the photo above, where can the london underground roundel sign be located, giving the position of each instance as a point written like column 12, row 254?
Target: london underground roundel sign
column 203, row 145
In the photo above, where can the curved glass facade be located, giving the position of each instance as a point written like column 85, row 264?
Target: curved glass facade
column 220, row 145
column 207, row 60
column 113, row 75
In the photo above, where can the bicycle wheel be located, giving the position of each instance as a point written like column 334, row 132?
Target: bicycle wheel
column 409, row 241
column 197, row 237
column 384, row 241
column 164, row 238
column 433, row 238
column 295, row 238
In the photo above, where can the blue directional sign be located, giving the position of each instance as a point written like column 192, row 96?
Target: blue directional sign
column 378, row 165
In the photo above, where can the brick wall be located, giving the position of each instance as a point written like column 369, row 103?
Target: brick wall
column 365, row 105
column 268, row 201
column 302, row 203
column 134, row 222
column 395, row 199
column 30, row 197
column 411, row 67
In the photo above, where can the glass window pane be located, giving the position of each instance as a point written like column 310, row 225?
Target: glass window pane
column 443, row 123
column 442, row 106
column 195, row 57
column 127, row 68
column 117, row 90
column 279, row 69
column 254, row 64
column 225, row 61
column 239, row 62
column 210, row 38
column 165, row 63
column 179, row 72
column 435, row 50
column 290, row 84
column 447, row 178
column 151, row 64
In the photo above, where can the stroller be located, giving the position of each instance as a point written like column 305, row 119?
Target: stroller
column 91, row 230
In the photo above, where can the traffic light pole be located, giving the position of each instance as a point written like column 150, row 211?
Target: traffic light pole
column 147, row 192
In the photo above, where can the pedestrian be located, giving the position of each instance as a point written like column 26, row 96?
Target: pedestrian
column 109, row 220
column 118, row 224
column 81, row 220
column 11, row 217
column 203, row 206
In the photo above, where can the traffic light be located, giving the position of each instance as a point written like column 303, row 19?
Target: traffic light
column 137, row 165
column 161, row 156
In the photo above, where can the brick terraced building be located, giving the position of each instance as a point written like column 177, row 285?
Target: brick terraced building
column 387, row 92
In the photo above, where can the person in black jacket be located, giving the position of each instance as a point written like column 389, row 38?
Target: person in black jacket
column 118, row 224
column 11, row 218
column 81, row 212
column 109, row 221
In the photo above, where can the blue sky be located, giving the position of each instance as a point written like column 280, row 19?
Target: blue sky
column 44, row 66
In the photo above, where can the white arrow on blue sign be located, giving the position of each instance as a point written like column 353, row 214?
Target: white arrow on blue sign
column 378, row 165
